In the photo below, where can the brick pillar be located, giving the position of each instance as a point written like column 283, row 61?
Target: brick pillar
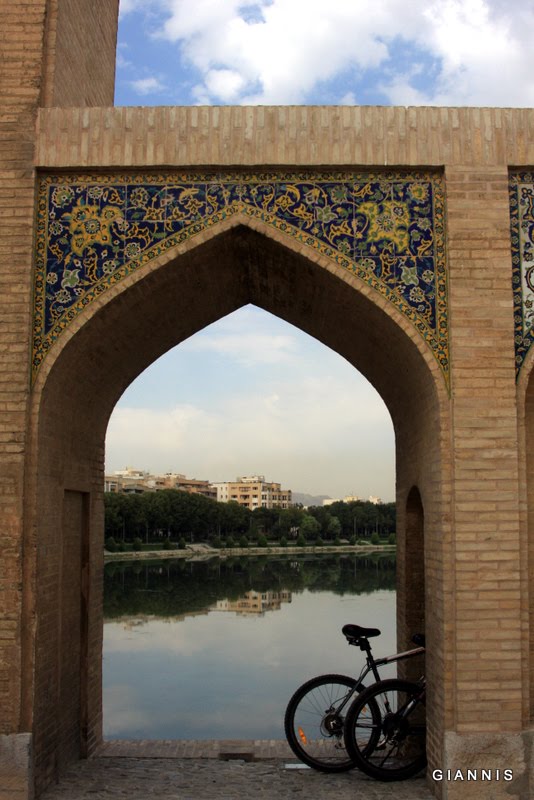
column 486, row 607
column 61, row 52
column 21, row 45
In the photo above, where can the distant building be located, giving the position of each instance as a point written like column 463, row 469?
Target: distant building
column 352, row 498
column 129, row 481
column 349, row 498
column 192, row 485
column 253, row 492
column 136, row 481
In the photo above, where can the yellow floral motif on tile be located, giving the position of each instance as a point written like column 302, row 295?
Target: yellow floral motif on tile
column 390, row 221
column 91, row 225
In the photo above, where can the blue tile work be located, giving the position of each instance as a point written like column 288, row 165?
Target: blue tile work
column 522, row 234
column 386, row 228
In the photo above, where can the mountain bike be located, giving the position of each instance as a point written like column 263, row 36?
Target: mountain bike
column 315, row 715
column 385, row 729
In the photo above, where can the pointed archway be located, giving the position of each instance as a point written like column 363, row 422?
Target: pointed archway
column 81, row 380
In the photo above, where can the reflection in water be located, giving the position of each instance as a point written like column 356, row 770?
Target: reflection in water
column 175, row 668
column 256, row 603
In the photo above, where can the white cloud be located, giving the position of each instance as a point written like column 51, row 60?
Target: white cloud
column 247, row 349
column 224, row 83
column 123, row 62
column 311, row 433
column 128, row 6
column 279, row 51
column 348, row 99
column 486, row 57
column 144, row 86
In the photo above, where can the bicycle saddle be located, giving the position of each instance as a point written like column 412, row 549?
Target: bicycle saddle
column 355, row 632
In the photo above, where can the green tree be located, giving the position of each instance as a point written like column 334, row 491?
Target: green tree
column 309, row 527
column 288, row 522
column 263, row 520
column 334, row 528
column 234, row 518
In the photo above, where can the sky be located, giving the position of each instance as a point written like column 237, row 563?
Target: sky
column 297, row 412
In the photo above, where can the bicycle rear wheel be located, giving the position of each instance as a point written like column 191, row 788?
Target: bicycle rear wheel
column 314, row 721
column 384, row 738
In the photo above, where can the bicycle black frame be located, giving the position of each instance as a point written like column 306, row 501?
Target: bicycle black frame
column 372, row 665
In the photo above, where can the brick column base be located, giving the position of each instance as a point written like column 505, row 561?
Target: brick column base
column 16, row 767
column 499, row 766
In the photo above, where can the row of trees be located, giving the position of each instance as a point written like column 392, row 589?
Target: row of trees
column 173, row 514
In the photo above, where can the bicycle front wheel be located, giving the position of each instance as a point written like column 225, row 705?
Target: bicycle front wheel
column 385, row 730
column 314, row 722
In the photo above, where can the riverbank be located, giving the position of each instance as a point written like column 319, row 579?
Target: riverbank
column 205, row 552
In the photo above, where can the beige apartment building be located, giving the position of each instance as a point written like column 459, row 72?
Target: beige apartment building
column 254, row 603
column 253, row 492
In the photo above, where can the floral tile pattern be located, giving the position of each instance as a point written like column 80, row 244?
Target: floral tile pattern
column 522, row 234
column 386, row 228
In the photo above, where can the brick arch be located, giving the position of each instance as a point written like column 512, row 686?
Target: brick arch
column 85, row 373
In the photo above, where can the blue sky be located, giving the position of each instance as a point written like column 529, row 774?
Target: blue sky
column 296, row 412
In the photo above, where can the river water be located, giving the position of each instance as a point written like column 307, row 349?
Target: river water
column 214, row 649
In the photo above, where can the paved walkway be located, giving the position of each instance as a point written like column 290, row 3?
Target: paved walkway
column 148, row 771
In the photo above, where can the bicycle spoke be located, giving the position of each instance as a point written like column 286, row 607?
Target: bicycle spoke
column 314, row 722
column 393, row 746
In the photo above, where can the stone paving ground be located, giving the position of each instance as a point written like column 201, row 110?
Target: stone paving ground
column 225, row 771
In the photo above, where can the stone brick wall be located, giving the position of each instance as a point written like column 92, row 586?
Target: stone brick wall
column 22, row 33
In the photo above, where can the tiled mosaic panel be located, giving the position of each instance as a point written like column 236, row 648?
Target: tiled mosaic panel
column 388, row 229
column 522, row 232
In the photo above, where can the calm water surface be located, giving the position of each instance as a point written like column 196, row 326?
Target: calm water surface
column 214, row 650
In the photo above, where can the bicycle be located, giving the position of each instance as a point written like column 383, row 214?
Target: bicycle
column 315, row 715
column 385, row 729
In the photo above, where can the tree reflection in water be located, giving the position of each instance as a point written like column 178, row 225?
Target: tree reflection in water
column 173, row 588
